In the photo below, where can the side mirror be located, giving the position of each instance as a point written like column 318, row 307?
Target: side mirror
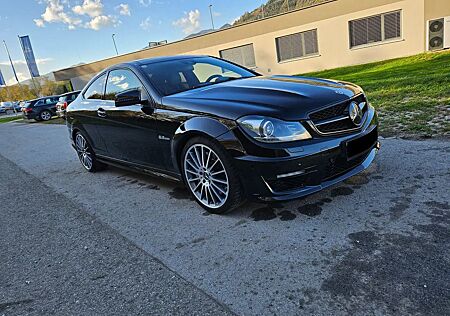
column 129, row 97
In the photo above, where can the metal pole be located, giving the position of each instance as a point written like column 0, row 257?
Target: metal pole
column 211, row 14
column 10, row 60
column 114, row 41
column 12, row 65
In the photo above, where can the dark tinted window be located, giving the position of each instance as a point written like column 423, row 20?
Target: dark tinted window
column 377, row 28
column 242, row 55
column 174, row 76
column 50, row 100
column 297, row 45
column 95, row 90
column 73, row 96
column 121, row 80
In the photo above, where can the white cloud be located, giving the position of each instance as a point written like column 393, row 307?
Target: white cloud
column 124, row 9
column 190, row 22
column 146, row 24
column 89, row 14
column 12, row 81
column 39, row 61
column 39, row 22
column 145, row 3
column 102, row 21
column 55, row 13
column 92, row 8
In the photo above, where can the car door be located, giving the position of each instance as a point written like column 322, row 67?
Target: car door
column 87, row 112
column 130, row 132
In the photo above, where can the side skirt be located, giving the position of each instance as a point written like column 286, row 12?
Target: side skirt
column 140, row 168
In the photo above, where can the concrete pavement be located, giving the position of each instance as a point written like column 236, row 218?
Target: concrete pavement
column 377, row 244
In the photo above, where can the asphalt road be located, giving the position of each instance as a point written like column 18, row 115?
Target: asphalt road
column 377, row 244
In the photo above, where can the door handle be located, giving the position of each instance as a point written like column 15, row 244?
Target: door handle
column 101, row 112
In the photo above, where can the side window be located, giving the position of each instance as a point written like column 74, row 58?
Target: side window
column 95, row 90
column 39, row 103
column 121, row 80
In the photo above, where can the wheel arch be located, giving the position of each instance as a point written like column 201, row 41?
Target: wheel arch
column 200, row 126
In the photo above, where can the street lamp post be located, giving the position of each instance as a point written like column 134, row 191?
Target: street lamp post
column 114, row 41
column 210, row 13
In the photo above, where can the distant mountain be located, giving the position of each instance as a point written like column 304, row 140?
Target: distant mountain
column 203, row 32
column 274, row 7
column 271, row 8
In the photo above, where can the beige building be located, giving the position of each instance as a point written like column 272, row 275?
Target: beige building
column 334, row 34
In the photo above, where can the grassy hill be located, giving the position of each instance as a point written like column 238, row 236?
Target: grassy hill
column 274, row 7
column 412, row 94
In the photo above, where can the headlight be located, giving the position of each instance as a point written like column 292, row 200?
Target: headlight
column 271, row 130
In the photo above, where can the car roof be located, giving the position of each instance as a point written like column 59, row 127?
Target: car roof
column 49, row 96
column 71, row 92
column 155, row 60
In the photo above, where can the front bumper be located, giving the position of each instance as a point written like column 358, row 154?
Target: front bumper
column 310, row 168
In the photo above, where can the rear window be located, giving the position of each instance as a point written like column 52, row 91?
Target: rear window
column 62, row 99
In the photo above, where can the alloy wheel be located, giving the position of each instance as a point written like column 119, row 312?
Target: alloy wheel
column 83, row 152
column 46, row 115
column 206, row 176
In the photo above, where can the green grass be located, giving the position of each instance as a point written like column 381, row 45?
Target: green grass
column 412, row 94
column 10, row 119
column 55, row 120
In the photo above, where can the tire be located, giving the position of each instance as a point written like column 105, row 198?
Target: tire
column 45, row 115
column 210, row 176
column 86, row 154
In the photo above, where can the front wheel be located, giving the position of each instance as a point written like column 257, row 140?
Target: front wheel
column 86, row 154
column 210, row 176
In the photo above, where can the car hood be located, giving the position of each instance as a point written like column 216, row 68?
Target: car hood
column 283, row 97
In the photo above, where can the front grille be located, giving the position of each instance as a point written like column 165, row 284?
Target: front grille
column 340, row 166
column 286, row 184
column 330, row 112
column 337, row 126
column 337, row 115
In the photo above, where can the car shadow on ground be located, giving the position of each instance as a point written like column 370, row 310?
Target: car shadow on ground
column 254, row 210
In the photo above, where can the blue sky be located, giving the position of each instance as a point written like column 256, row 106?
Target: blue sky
column 67, row 32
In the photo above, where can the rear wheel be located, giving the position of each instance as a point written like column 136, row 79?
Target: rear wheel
column 45, row 115
column 86, row 154
column 210, row 176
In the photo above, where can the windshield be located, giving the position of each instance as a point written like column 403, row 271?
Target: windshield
column 174, row 76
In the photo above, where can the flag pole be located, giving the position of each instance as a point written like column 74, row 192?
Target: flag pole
column 12, row 64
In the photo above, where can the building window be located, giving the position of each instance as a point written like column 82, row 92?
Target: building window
column 377, row 28
column 242, row 55
column 297, row 45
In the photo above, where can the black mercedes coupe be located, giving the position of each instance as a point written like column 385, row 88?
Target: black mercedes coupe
column 225, row 131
